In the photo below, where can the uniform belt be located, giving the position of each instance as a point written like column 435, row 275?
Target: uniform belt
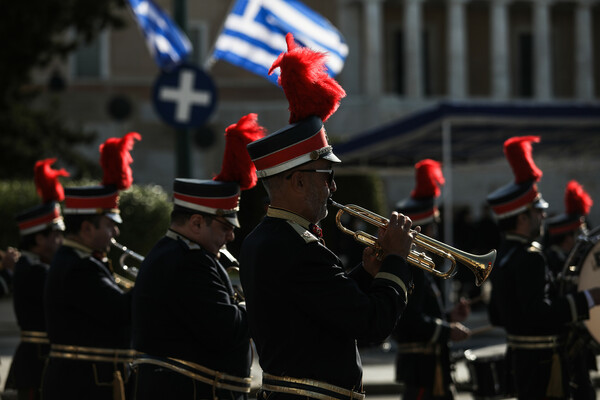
column 91, row 353
column 308, row 387
column 34, row 337
column 417, row 348
column 198, row 372
column 534, row 342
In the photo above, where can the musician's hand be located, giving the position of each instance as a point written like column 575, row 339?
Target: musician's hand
column 397, row 237
column 461, row 311
column 459, row 332
column 9, row 258
column 370, row 263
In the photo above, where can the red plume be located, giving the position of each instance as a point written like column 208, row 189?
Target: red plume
column 115, row 160
column 577, row 200
column 305, row 82
column 237, row 165
column 518, row 153
column 429, row 179
column 46, row 180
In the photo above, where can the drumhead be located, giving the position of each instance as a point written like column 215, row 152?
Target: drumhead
column 486, row 353
column 589, row 277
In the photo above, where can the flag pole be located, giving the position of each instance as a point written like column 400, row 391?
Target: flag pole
column 211, row 60
column 184, row 168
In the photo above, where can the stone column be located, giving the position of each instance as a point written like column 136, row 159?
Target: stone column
column 499, row 51
column 584, row 76
column 542, row 53
column 457, row 49
column 373, row 55
column 413, row 49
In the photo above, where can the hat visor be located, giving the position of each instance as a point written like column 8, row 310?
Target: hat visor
column 115, row 217
column 232, row 219
column 540, row 204
column 331, row 157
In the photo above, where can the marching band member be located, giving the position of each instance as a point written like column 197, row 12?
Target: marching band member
column 561, row 237
column 189, row 325
column 524, row 300
column 424, row 330
column 305, row 313
column 41, row 230
column 563, row 229
column 88, row 316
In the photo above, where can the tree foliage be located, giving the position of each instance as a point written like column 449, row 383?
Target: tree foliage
column 33, row 33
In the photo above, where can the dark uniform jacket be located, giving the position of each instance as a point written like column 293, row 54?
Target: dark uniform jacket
column 184, row 308
column 422, row 334
column 524, row 301
column 84, row 307
column 28, row 301
column 305, row 312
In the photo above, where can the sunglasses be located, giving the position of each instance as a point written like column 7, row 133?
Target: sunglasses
column 325, row 171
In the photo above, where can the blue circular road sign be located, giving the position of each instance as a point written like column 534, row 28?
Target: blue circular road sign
column 185, row 96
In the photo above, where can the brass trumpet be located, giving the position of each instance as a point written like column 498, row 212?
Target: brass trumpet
column 480, row 265
column 120, row 279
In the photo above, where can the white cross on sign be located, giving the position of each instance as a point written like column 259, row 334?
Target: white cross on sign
column 185, row 96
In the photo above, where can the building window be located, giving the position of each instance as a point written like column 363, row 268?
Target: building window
column 525, row 65
column 90, row 60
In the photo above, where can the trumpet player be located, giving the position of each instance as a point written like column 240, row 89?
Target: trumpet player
column 524, row 298
column 424, row 330
column 189, row 327
column 41, row 229
column 88, row 315
column 305, row 313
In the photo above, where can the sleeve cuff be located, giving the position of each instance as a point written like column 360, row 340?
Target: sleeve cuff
column 393, row 278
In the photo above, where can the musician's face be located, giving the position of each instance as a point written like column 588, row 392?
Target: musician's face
column 320, row 188
column 536, row 219
column 102, row 233
column 214, row 233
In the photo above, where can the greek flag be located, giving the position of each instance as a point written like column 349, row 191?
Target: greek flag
column 254, row 35
column 167, row 43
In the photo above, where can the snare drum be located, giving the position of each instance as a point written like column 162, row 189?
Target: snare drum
column 581, row 272
column 487, row 368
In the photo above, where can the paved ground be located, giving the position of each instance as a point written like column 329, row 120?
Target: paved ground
column 378, row 362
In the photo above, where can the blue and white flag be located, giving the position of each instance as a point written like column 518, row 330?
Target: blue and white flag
column 254, row 32
column 167, row 43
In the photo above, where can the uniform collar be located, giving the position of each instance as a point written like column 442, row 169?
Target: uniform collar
column 517, row 238
column 287, row 215
column 33, row 258
column 282, row 213
column 178, row 236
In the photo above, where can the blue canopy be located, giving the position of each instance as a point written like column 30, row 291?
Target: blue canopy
column 477, row 133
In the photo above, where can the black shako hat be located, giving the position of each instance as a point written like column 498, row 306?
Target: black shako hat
column 208, row 197
column 516, row 197
column 293, row 145
column 93, row 200
column 421, row 206
column 39, row 218
column 577, row 206
column 313, row 96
